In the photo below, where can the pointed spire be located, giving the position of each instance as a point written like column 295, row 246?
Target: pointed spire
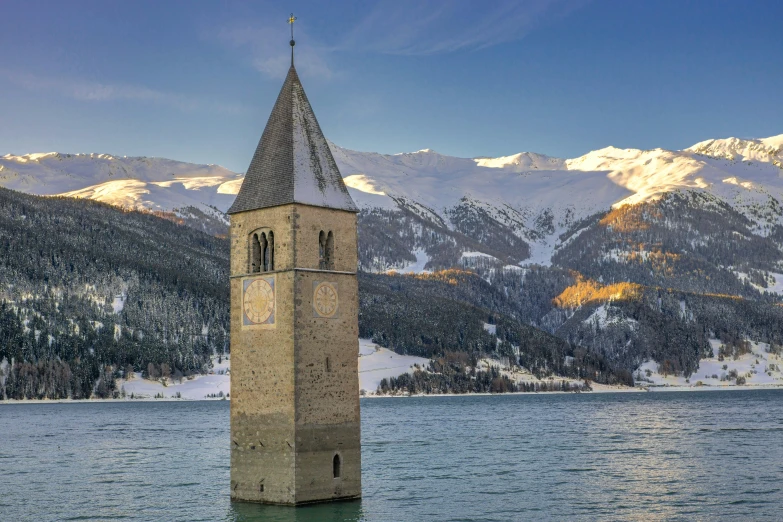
column 293, row 162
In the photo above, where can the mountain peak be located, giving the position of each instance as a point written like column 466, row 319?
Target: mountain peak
column 420, row 151
column 732, row 149
column 522, row 161
column 40, row 156
column 773, row 141
column 36, row 156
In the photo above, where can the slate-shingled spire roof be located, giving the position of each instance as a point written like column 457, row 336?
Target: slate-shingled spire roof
column 292, row 163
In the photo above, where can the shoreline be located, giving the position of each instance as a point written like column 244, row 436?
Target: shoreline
column 97, row 401
column 602, row 389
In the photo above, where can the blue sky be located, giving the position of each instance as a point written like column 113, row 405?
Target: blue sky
column 195, row 80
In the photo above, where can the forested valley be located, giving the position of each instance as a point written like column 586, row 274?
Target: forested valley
column 90, row 292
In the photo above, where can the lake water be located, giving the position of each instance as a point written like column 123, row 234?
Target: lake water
column 653, row 456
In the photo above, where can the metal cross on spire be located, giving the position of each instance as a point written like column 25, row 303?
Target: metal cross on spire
column 291, row 20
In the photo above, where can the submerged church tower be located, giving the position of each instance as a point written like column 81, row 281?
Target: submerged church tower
column 294, row 317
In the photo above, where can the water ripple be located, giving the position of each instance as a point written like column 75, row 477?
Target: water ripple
column 674, row 456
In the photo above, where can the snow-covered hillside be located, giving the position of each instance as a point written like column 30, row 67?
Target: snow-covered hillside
column 156, row 184
column 215, row 385
column 747, row 174
column 535, row 197
column 375, row 363
column 758, row 367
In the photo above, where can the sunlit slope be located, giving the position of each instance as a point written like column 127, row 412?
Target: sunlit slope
column 155, row 184
column 513, row 209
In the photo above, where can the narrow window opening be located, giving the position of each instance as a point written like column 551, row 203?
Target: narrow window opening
column 322, row 250
column 336, row 465
column 328, row 365
column 255, row 254
column 329, row 255
column 270, row 252
column 264, row 246
column 261, row 487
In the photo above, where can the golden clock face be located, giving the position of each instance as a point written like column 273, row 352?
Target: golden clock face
column 325, row 299
column 258, row 301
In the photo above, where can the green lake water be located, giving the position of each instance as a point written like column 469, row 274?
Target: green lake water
column 632, row 456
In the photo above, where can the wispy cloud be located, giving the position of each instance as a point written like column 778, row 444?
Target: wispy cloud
column 103, row 92
column 268, row 53
column 401, row 27
column 415, row 27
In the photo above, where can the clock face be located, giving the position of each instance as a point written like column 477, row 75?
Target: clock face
column 258, row 301
column 325, row 300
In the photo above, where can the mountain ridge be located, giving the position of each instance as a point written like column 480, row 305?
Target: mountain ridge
column 631, row 257
column 531, row 196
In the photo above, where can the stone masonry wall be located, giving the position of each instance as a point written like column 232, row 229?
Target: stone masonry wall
column 291, row 411
column 262, row 371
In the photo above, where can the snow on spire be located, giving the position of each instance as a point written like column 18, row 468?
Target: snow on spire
column 293, row 162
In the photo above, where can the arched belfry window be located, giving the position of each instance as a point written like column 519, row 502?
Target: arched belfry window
column 322, row 250
column 255, row 254
column 336, row 465
column 330, row 251
column 262, row 252
column 264, row 246
column 270, row 252
column 326, row 250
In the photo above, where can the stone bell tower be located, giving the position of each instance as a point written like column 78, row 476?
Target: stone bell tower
column 294, row 317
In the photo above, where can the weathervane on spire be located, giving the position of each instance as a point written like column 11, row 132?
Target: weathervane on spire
column 291, row 20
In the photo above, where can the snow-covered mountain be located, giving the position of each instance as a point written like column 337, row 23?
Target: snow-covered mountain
column 642, row 255
column 154, row 184
column 526, row 189
column 532, row 197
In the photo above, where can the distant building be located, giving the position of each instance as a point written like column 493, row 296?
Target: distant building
column 295, row 432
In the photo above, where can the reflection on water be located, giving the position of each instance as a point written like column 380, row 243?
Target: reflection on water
column 345, row 511
column 654, row 456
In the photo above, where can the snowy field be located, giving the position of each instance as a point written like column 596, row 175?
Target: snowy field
column 418, row 267
column 759, row 368
column 375, row 363
column 215, row 385
column 774, row 283
column 518, row 374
